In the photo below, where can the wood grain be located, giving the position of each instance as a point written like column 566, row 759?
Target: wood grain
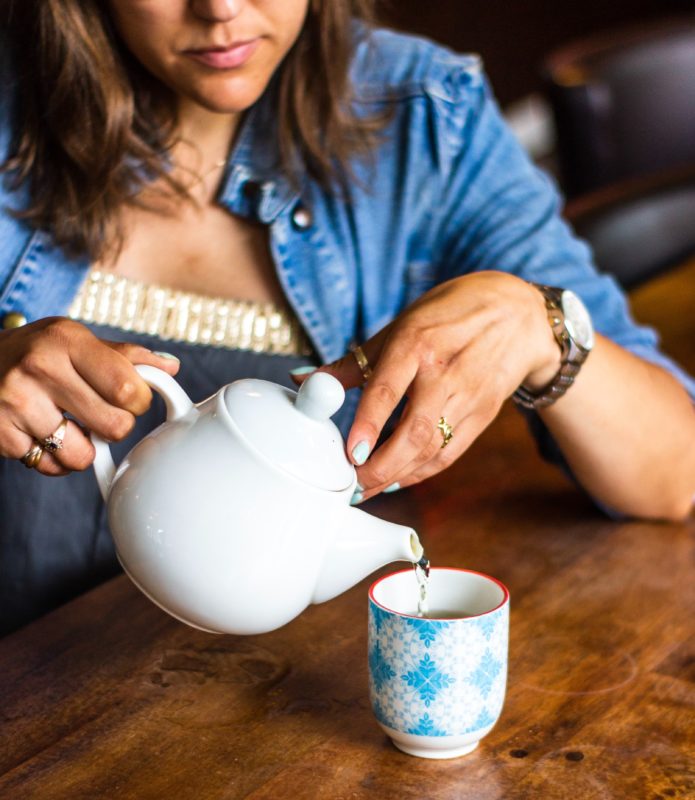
column 108, row 697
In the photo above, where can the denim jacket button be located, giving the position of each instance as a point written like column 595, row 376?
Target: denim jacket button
column 301, row 217
column 13, row 320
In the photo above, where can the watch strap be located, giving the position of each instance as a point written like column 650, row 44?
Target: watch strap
column 572, row 355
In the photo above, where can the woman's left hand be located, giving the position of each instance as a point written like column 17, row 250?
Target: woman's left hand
column 458, row 352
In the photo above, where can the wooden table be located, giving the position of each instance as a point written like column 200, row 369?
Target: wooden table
column 108, row 697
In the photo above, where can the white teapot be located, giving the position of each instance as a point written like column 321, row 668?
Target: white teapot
column 234, row 514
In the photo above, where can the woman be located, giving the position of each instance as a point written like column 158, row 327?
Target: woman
column 362, row 187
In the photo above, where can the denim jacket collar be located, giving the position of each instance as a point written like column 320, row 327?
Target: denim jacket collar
column 254, row 163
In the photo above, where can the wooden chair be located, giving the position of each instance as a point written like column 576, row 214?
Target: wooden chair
column 624, row 104
column 640, row 227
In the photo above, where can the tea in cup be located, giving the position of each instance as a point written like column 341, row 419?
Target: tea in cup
column 437, row 683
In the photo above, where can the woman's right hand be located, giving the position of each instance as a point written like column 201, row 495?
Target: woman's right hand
column 56, row 365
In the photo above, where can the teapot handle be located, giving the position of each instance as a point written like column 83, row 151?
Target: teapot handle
column 177, row 403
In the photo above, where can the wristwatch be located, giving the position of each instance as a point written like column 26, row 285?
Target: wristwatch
column 571, row 324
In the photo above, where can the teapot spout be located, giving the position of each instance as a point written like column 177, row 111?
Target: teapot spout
column 362, row 544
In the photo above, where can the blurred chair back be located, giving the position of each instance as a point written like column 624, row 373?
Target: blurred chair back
column 640, row 227
column 624, row 104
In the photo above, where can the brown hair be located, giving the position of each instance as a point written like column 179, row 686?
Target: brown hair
column 92, row 127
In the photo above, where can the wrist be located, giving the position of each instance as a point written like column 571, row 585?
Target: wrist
column 545, row 347
column 571, row 325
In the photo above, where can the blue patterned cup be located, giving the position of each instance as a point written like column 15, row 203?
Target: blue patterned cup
column 437, row 684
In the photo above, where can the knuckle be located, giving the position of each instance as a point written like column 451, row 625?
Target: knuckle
column 383, row 394
column 430, row 452
column 13, row 394
column 62, row 328
column 426, row 349
column 379, row 476
column 35, row 363
column 420, row 430
column 118, row 425
column 126, row 393
column 80, row 459
column 407, row 341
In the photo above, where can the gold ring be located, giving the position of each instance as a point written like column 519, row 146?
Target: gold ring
column 31, row 458
column 446, row 430
column 54, row 442
column 362, row 361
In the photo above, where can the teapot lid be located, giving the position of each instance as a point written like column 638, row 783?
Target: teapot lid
column 293, row 430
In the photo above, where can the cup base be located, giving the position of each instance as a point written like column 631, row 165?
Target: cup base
column 435, row 746
column 423, row 752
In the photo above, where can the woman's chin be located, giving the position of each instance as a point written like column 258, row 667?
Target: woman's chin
column 224, row 101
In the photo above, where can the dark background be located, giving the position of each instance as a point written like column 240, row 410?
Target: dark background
column 513, row 36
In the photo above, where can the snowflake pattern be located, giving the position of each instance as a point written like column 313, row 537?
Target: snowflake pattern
column 484, row 719
column 487, row 625
column 437, row 678
column 379, row 667
column 484, row 675
column 427, row 629
column 379, row 616
column 427, row 679
column 426, row 727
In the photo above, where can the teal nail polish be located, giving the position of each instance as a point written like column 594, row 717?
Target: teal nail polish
column 359, row 487
column 357, row 497
column 394, row 487
column 302, row 370
column 169, row 356
column 360, row 452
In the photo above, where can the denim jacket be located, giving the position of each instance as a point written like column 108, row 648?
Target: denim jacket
column 447, row 191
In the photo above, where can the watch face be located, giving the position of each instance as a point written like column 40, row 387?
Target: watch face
column 577, row 320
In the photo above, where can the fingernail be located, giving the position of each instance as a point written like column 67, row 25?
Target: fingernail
column 170, row 356
column 394, row 487
column 360, row 452
column 357, row 497
column 302, row 370
column 359, row 487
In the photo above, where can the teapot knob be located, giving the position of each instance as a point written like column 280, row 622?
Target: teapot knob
column 320, row 396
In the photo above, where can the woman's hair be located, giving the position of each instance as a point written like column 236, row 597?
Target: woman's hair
column 92, row 126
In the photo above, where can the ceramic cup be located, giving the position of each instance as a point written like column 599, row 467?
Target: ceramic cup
column 437, row 685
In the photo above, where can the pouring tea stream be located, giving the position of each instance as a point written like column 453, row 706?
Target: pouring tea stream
column 234, row 515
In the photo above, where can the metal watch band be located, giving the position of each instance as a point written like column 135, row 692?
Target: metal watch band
column 571, row 361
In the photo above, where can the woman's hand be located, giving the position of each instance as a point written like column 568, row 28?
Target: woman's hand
column 56, row 365
column 458, row 352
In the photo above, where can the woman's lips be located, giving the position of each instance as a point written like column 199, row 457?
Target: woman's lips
column 225, row 58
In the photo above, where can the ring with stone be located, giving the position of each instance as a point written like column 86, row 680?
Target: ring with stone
column 54, row 442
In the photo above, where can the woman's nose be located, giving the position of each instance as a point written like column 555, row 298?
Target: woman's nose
column 217, row 10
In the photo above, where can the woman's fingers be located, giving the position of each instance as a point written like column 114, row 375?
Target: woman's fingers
column 393, row 374
column 347, row 369
column 77, row 452
column 416, row 437
column 17, row 444
column 40, row 419
column 466, row 424
column 137, row 354
column 109, row 372
column 57, row 365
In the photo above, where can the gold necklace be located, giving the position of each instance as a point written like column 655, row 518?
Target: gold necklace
column 201, row 178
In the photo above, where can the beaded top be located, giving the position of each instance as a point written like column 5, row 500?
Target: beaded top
column 108, row 299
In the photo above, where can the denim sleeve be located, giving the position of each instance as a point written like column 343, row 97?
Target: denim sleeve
column 500, row 212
